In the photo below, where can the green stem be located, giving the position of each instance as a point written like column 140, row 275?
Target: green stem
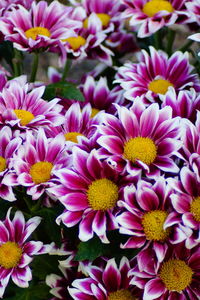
column 170, row 40
column 66, row 69
column 34, row 67
column 157, row 40
column 17, row 63
column 186, row 46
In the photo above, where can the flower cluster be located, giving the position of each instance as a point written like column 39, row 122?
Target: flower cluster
column 104, row 150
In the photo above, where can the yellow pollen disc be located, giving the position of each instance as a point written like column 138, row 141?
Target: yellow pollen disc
column 2, row 164
column 176, row 275
column 41, row 171
column 195, row 208
column 104, row 18
column 10, row 254
column 95, row 111
column 154, row 6
column 24, row 116
column 120, row 295
column 102, row 194
column 140, row 148
column 152, row 223
column 159, row 86
column 35, row 31
column 72, row 136
column 75, row 42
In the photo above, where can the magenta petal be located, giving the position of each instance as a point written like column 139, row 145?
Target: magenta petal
column 153, row 289
column 85, row 227
column 111, row 143
column 111, row 276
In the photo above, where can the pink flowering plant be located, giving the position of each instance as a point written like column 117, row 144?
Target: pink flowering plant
column 99, row 150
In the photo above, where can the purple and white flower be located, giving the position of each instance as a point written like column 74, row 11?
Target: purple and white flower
column 16, row 252
column 155, row 74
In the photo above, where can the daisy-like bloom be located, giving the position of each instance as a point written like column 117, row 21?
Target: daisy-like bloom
column 155, row 74
column 121, row 42
column 15, row 252
column 177, row 277
column 194, row 8
column 8, row 146
column 89, row 40
column 98, row 94
column 108, row 12
column 108, row 283
column 78, row 128
column 147, row 209
column 26, row 110
column 70, row 271
column 37, row 159
column 140, row 139
column 191, row 144
column 151, row 15
column 89, row 193
column 186, row 202
column 184, row 103
column 42, row 27
column 7, row 4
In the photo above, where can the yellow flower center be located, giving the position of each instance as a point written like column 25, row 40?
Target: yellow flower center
column 104, row 18
column 24, row 116
column 75, row 42
column 141, row 148
column 152, row 223
column 195, row 208
column 120, row 295
column 2, row 164
column 159, row 86
column 95, row 111
column 10, row 254
column 41, row 171
column 154, row 6
column 72, row 136
column 102, row 194
column 176, row 275
column 35, row 31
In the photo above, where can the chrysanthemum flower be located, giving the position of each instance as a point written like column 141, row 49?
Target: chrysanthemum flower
column 36, row 161
column 147, row 209
column 177, row 277
column 193, row 8
column 186, row 202
column 7, row 4
column 70, row 272
column 22, row 109
column 111, row 282
column 89, row 193
column 107, row 11
column 89, row 40
column 191, row 144
column 151, row 15
column 31, row 30
column 8, row 146
column 15, row 252
column 184, row 103
column 155, row 74
column 79, row 127
column 140, row 139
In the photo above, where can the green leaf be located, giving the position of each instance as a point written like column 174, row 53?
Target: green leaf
column 65, row 90
column 39, row 291
column 94, row 248
column 44, row 265
column 50, row 231
column 90, row 250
